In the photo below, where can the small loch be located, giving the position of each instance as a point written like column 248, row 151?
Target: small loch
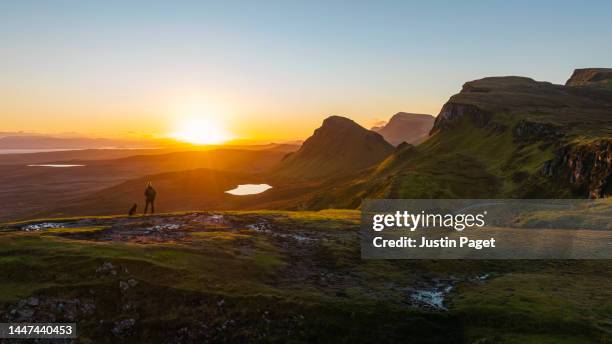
column 249, row 189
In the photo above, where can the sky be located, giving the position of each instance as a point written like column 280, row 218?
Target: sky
column 273, row 69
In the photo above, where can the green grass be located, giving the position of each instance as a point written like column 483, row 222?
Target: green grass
column 181, row 283
column 523, row 305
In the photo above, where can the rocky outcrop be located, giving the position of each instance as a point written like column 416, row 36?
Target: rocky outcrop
column 529, row 132
column 591, row 77
column 587, row 168
column 49, row 309
column 452, row 113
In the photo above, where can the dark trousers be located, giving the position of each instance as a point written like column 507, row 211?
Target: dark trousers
column 152, row 202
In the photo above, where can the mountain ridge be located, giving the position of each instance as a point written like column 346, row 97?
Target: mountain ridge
column 338, row 146
column 592, row 77
column 406, row 127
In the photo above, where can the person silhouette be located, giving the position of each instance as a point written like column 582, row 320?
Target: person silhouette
column 150, row 194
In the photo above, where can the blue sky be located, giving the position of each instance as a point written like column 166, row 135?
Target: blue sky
column 275, row 66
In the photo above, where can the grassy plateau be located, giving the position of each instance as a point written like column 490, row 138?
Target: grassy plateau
column 280, row 276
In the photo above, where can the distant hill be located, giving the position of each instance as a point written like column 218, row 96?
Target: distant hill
column 594, row 77
column 82, row 155
column 406, row 127
column 255, row 159
column 339, row 146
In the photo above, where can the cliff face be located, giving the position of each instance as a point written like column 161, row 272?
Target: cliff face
column 587, row 168
column 452, row 112
column 595, row 77
column 481, row 100
column 529, row 132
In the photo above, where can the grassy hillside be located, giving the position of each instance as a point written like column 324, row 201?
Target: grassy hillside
column 467, row 162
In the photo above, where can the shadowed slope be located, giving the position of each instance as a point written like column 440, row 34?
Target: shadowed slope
column 339, row 146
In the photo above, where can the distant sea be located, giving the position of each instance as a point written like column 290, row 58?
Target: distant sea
column 43, row 150
column 22, row 151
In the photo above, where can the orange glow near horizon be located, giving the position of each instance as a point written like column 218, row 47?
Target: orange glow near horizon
column 201, row 130
column 181, row 115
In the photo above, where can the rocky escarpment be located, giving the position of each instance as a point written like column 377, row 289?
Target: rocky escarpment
column 520, row 98
column 587, row 168
column 452, row 113
column 480, row 99
column 529, row 132
column 596, row 77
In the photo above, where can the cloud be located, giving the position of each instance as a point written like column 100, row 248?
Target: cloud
column 377, row 123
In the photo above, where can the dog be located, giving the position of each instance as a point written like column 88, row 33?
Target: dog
column 133, row 209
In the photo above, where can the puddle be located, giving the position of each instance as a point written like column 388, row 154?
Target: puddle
column 261, row 227
column 208, row 219
column 165, row 227
column 266, row 228
column 249, row 189
column 56, row 165
column 483, row 278
column 41, row 226
column 296, row 237
column 216, row 219
column 433, row 297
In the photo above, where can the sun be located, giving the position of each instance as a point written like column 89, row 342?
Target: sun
column 201, row 130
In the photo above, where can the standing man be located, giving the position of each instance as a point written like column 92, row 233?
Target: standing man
column 150, row 194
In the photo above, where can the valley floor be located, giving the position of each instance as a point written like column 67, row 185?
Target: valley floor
column 269, row 276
